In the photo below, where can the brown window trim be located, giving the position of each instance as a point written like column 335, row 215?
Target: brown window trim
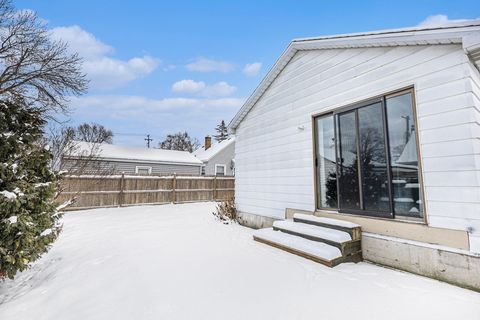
column 356, row 105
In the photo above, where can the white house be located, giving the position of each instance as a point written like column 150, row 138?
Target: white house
column 218, row 158
column 381, row 129
column 105, row 157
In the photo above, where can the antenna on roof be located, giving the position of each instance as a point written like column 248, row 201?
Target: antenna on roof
column 148, row 139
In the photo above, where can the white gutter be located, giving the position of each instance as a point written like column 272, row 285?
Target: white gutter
column 465, row 33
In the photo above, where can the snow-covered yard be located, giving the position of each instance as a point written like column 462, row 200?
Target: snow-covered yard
column 177, row 262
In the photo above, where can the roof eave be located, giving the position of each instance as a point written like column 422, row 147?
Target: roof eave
column 272, row 73
column 227, row 143
column 456, row 34
column 98, row 158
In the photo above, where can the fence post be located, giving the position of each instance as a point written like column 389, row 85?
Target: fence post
column 174, row 186
column 215, row 188
column 120, row 195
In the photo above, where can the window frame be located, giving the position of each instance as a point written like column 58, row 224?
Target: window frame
column 224, row 170
column 381, row 98
column 142, row 168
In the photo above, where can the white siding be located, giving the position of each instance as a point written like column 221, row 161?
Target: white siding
column 224, row 157
column 447, row 90
column 128, row 167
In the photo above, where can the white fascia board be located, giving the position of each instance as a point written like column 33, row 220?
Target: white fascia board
column 471, row 46
column 450, row 28
column 453, row 34
column 281, row 62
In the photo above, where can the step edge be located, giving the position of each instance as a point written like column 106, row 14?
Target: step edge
column 352, row 231
column 268, row 230
column 306, row 216
column 321, row 228
column 298, row 234
column 326, row 262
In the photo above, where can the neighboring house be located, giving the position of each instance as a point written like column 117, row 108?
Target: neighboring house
column 218, row 158
column 129, row 160
column 381, row 129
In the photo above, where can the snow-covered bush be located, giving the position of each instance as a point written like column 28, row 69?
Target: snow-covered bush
column 29, row 221
column 226, row 211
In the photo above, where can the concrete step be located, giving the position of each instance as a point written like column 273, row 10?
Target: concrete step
column 333, row 237
column 353, row 229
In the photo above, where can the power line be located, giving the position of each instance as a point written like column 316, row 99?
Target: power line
column 129, row 134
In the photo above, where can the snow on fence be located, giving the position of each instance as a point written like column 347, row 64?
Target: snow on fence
column 125, row 190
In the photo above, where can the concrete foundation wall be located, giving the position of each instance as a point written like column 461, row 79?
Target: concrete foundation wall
column 454, row 266
column 255, row 221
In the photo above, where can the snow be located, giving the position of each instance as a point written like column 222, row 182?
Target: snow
column 7, row 134
column 110, row 151
column 9, row 195
column 42, row 184
column 178, row 262
column 12, row 219
column 313, row 248
column 117, row 176
column 64, row 205
column 46, row 232
column 206, row 155
column 333, row 222
column 314, row 231
column 18, row 192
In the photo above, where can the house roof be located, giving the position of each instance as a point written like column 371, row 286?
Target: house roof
column 206, row 155
column 132, row 154
column 409, row 153
column 465, row 33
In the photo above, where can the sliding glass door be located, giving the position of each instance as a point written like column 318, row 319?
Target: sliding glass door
column 367, row 159
column 348, row 186
column 326, row 170
column 373, row 154
column 407, row 193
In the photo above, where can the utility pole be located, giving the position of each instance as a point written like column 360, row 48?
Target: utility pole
column 148, row 139
column 407, row 128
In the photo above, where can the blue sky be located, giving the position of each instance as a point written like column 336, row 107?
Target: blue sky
column 160, row 67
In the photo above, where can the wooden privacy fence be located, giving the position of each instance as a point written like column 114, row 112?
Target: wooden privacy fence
column 124, row 190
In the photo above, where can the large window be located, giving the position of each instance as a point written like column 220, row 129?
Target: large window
column 367, row 159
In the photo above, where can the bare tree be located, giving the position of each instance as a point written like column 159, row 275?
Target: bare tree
column 73, row 155
column 94, row 133
column 180, row 141
column 33, row 67
column 65, row 141
column 73, row 158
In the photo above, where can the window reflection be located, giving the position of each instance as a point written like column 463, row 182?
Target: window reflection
column 374, row 160
column 372, row 179
column 348, row 161
column 326, row 164
column 404, row 156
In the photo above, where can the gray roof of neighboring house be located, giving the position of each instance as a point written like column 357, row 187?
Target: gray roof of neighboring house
column 205, row 155
column 112, row 152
